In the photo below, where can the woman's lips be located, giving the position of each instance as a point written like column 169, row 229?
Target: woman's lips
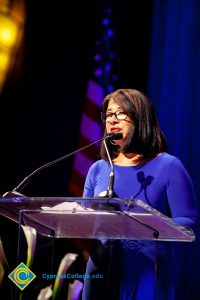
column 115, row 130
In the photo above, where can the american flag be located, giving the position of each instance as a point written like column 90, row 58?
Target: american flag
column 103, row 81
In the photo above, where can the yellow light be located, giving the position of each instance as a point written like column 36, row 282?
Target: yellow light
column 9, row 30
column 4, row 60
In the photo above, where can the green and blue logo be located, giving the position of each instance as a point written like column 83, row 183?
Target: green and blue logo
column 22, row 276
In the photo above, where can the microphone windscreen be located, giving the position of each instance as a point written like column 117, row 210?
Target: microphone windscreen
column 115, row 136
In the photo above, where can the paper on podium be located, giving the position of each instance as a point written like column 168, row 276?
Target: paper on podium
column 65, row 206
column 71, row 207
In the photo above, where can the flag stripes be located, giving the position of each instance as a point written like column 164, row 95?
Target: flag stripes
column 102, row 81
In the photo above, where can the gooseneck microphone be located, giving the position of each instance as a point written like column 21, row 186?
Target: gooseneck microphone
column 16, row 191
column 109, row 192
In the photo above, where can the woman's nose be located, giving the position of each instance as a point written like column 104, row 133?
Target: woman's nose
column 113, row 118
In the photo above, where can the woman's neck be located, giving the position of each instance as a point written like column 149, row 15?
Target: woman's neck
column 131, row 159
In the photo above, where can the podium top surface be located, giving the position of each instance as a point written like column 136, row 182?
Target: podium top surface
column 76, row 217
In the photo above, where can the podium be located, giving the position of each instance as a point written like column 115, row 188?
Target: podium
column 94, row 218
column 88, row 218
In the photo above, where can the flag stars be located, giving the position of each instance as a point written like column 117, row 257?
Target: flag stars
column 110, row 88
column 107, row 67
column 98, row 72
column 110, row 32
column 97, row 57
column 105, row 22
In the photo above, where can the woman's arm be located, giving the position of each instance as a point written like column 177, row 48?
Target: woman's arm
column 181, row 195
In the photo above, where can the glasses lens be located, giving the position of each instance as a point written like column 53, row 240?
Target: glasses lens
column 121, row 116
column 108, row 116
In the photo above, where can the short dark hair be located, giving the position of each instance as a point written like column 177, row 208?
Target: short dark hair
column 147, row 138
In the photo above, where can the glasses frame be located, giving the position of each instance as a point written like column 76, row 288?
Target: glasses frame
column 105, row 117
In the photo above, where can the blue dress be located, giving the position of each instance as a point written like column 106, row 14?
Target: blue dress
column 139, row 270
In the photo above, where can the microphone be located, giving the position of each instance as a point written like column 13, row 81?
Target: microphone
column 109, row 192
column 16, row 191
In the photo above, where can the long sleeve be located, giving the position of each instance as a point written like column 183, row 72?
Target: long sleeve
column 181, row 195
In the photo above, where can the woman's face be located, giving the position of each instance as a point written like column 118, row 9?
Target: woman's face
column 113, row 125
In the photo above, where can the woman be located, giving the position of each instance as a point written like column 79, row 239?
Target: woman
column 143, row 169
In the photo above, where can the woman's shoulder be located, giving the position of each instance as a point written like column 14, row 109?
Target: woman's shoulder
column 170, row 161
column 99, row 164
column 169, row 158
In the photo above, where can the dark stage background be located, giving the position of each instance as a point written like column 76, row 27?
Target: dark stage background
column 158, row 50
column 41, row 108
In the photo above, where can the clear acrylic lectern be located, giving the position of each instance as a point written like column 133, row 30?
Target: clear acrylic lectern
column 94, row 218
column 86, row 218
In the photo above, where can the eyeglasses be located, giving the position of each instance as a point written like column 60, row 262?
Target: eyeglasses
column 106, row 117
